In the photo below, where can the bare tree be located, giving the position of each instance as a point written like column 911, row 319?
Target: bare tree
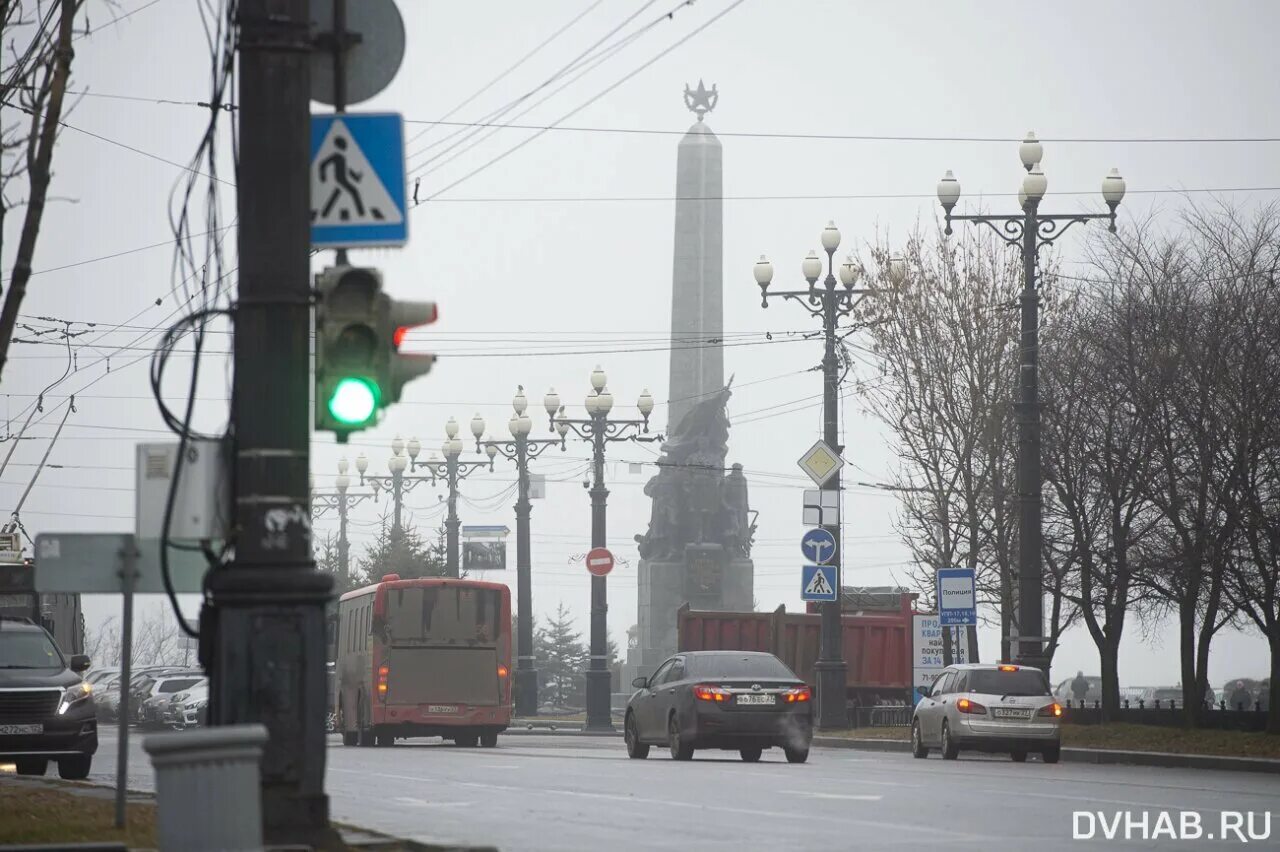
column 156, row 640
column 35, row 76
column 103, row 643
column 945, row 339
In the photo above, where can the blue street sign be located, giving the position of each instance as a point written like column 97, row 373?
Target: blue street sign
column 358, row 180
column 818, row 583
column 818, row 545
column 957, row 597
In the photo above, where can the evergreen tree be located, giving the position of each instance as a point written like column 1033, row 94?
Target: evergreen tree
column 562, row 657
column 406, row 554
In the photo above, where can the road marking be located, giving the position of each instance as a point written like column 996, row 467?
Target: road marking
column 848, row 797
column 846, row 820
column 423, row 803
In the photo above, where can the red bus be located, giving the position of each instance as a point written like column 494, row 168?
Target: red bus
column 424, row 658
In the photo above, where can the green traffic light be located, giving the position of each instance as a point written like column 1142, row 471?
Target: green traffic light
column 353, row 401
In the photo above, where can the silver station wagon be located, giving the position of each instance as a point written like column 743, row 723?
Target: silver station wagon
column 991, row 708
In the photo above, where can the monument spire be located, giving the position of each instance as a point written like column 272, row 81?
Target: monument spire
column 697, row 310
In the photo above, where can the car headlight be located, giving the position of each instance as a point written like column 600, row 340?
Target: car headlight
column 73, row 695
column 198, row 705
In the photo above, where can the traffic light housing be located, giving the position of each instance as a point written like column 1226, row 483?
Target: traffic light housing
column 359, row 369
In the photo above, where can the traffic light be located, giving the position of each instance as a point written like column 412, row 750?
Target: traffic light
column 406, row 366
column 348, row 364
column 359, row 368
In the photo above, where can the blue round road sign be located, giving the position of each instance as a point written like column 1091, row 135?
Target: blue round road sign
column 818, row 546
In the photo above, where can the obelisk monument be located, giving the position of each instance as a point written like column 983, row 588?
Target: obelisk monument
column 697, row 280
column 697, row 550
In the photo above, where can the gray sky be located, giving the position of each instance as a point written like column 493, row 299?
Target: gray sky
column 586, row 268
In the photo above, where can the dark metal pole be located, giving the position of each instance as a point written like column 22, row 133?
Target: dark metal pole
column 263, row 632
column 526, row 674
column 344, row 545
column 340, row 75
column 598, row 678
column 397, row 497
column 128, row 574
column 832, row 712
column 1030, row 567
column 452, row 523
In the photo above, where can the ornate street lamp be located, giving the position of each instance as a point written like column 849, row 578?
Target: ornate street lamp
column 599, row 430
column 1030, row 231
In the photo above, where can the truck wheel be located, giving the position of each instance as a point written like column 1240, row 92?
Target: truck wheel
column 1019, row 755
column 751, row 754
column 796, row 755
column 32, row 766
column 466, row 740
column 489, row 739
column 384, row 740
column 74, row 768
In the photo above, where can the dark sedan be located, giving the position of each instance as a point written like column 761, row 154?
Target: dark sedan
column 733, row 700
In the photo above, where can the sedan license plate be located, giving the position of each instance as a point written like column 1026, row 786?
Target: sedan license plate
column 21, row 729
column 755, row 699
column 442, row 708
column 1011, row 713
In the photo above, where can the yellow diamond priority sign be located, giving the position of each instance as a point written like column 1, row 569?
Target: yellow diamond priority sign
column 821, row 463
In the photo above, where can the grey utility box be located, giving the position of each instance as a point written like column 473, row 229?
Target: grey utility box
column 201, row 504
column 208, row 794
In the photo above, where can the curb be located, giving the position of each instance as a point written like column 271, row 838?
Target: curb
column 1100, row 756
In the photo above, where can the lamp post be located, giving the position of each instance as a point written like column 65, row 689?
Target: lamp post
column 599, row 430
column 828, row 303
column 1030, row 231
column 452, row 471
column 521, row 449
column 342, row 501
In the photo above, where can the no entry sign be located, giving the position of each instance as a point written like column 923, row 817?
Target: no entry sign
column 599, row 561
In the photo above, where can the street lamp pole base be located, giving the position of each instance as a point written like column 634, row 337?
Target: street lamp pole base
column 599, row 717
column 831, row 712
column 526, row 692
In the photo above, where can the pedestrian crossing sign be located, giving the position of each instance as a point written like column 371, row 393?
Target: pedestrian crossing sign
column 818, row 583
column 358, row 180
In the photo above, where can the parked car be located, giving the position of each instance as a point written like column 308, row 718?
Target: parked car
column 188, row 709
column 1164, row 694
column 46, row 707
column 152, row 708
column 988, row 707
column 733, row 700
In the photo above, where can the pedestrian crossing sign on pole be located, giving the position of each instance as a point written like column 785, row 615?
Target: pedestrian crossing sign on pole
column 358, row 180
column 818, row 583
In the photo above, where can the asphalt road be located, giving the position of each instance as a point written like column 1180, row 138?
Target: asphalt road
column 564, row 793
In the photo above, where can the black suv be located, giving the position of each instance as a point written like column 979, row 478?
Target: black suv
column 46, row 708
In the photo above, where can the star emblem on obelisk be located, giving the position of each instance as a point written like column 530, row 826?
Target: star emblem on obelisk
column 700, row 101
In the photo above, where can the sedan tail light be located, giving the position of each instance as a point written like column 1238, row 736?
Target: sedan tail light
column 1054, row 710
column 964, row 705
column 800, row 693
column 708, row 692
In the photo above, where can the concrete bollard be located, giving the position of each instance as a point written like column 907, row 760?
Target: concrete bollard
column 208, row 794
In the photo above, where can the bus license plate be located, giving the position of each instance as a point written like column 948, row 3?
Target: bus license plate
column 442, row 708
column 755, row 699
column 21, row 729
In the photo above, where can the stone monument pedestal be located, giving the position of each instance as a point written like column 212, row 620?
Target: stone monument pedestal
column 706, row 579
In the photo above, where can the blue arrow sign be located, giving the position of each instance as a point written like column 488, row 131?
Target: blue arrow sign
column 818, row 583
column 358, row 180
column 818, row 545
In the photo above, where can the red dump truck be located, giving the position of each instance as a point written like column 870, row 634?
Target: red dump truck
column 877, row 642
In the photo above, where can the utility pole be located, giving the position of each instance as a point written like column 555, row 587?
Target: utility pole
column 263, row 630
